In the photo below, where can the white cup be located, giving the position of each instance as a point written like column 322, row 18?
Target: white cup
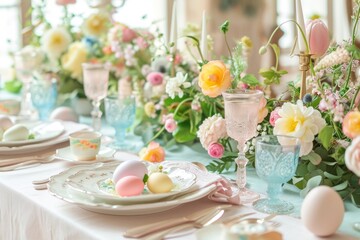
column 85, row 145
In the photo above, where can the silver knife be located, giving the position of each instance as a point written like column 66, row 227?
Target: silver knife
column 141, row 231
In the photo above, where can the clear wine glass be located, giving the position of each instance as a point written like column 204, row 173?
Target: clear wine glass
column 44, row 96
column 120, row 113
column 276, row 160
column 25, row 63
column 241, row 113
column 96, row 78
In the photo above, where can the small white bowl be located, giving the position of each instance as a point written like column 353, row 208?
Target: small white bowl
column 85, row 145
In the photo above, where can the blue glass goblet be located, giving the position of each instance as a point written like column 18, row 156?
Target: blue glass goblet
column 120, row 114
column 44, row 96
column 276, row 160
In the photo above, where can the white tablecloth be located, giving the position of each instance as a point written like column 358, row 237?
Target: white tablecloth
column 26, row 213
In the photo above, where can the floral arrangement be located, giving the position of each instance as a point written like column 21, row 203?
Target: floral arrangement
column 326, row 119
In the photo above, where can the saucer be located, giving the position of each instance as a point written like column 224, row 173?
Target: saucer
column 105, row 154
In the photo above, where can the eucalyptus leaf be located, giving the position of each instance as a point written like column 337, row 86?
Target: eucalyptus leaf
column 331, row 176
column 341, row 186
column 311, row 183
column 326, row 136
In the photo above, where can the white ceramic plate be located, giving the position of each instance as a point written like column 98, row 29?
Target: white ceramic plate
column 43, row 132
column 95, row 183
column 104, row 154
column 70, row 127
column 58, row 187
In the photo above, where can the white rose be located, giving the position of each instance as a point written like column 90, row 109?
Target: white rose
column 352, row 156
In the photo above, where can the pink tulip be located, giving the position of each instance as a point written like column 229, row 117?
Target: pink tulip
column 170, row 125
column 216, row 150
column 318, row 37
column 141, row 43
column 155, row 78
column 65, row 2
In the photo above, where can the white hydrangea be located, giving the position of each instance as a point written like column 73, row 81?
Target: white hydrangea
column 174, row 85
column 211, row 130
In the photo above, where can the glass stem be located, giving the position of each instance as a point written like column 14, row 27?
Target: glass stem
column 273, row 191
column 241, row 162
column 96, row 115
column 26, row 100
column 120, row 135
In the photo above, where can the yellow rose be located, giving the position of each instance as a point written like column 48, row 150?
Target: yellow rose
column 73, row 58
column 96, row 24
column 214, row 78
column 56, row 41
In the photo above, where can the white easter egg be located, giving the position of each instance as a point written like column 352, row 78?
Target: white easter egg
column 16, row 133
column 130, row 168
column 64, row 114
column 322, row 211
column 5, row 122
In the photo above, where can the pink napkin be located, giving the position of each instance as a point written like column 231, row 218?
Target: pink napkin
column 225, row 191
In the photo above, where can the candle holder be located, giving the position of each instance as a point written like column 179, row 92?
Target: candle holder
column 304, row 66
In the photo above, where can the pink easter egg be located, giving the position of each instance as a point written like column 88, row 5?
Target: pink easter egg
column 64, row 114
column 129, row 186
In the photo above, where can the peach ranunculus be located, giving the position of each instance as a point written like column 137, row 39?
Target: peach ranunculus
column 153, row 153
column 352, row 156
column 73, row 58
column 263, row 111
column 351, row 124
column 214, row 78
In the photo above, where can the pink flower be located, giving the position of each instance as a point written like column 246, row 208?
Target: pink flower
column 65, row 2
column 274, row 116
column 141, row 43
column 155, row 78
column 195, row 105
column 318, row 37
column 216, row 150
column 128, row 34
column 323, row 105
column 243, row 86
column 352, row 156
column 263, row 111
column 170, row 125
column 178, row 59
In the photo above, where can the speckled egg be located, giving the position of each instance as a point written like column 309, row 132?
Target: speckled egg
column 5, row 123
column 64, row 114
column 322, row 211
column 16, row 133
column 129, row 186
column 130, row 168
column 159, row 183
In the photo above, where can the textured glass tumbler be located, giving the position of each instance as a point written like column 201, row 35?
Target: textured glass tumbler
column 120, row 114
column 43, row 97
column 241, row 113
column 276, row 160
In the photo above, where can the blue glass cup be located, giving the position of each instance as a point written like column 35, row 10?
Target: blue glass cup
column 276, row 160
column 44, row 96
column 120, row 114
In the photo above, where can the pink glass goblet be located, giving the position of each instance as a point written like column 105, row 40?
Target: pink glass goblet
column 96, row 78
column 241, row 113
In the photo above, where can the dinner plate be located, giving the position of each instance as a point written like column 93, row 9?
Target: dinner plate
column 42, row 132
column 104, row 154
column 58, row 187
column 70, row 127
column 97, row 183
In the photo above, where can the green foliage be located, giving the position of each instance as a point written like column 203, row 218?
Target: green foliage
column 272, row 75
column 225, row 27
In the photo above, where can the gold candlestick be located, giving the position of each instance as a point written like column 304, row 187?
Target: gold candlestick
column 304, row 66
